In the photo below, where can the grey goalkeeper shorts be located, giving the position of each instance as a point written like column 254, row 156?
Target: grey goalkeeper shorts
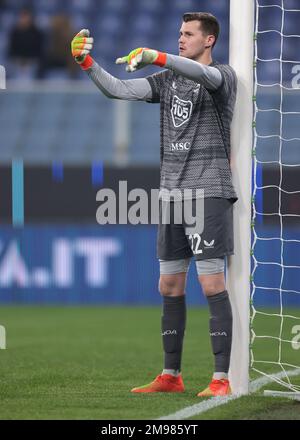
column 214, row 241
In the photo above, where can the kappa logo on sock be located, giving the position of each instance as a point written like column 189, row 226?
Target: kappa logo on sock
column 169, row 332
column 218, row 334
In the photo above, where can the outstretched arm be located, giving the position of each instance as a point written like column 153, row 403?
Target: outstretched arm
column 132, row 90
column 208, row 76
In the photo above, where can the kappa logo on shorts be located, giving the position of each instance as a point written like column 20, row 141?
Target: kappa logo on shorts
column 209, row 245
column 181, row 111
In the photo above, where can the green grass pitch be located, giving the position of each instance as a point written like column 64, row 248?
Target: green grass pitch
column 81, row 362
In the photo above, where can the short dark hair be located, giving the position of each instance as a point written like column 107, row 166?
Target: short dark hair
column 209, row 23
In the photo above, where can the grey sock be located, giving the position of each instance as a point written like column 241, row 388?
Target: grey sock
column 173, row 327
column 220, row 329
column 220, row 375
column 171, row 372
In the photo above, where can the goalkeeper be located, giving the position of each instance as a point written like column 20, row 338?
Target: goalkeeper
column 197, row 98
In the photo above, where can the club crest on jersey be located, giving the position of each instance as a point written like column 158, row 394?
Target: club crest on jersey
column 181, row 111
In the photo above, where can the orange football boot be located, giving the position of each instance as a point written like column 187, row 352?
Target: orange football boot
column 216, row 388
column 163, row 383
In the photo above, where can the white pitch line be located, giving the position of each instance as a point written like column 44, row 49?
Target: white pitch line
column 213, row 402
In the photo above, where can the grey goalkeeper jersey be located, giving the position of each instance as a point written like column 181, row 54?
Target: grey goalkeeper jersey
column 195, row 132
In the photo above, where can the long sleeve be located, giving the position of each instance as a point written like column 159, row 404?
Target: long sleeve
column 208, row 76
column 132, row 90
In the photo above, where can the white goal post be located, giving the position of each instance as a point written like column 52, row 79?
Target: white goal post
column 241, row 47
column 246, row 29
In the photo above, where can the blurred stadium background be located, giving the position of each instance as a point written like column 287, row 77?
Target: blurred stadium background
column 74, row 141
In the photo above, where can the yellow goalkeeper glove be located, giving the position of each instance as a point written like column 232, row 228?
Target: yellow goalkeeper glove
column 81, row 46
column 141, row 57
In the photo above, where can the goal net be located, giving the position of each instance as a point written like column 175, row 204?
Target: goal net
column 275, row 269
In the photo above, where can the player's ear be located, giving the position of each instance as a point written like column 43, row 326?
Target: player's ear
column 210, row 41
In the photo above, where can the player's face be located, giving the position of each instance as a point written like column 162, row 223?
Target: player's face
column 192, row 41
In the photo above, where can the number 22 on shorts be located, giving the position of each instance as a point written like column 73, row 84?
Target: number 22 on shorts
column 195, row 240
